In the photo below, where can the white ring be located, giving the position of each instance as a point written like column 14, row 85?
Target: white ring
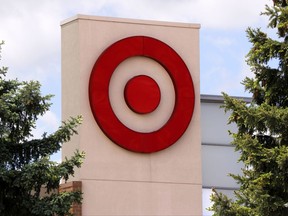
column 128, row 69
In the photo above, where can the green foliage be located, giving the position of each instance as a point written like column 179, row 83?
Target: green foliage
column 56, row 204
column 25, row 167
column 262, row 137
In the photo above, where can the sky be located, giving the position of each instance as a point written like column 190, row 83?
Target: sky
column 32, row 50
column 32, row 34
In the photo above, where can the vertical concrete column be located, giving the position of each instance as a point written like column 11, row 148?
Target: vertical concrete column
column 116, row 178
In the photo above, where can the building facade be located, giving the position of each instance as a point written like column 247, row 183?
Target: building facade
column 160, row 159
column 218, row 155
column 136, row 163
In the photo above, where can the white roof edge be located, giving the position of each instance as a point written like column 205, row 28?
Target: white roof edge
column 128, row 20
column 206, row 98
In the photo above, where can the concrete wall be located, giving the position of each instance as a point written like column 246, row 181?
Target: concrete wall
column 218, row 155
column 114, row 180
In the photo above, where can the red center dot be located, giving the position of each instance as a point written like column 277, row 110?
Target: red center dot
column 142, row 94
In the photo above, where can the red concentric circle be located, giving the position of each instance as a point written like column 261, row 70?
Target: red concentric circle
column 99, row 94
column 142, row 94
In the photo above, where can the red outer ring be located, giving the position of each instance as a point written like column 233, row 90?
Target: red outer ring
column 99, row 94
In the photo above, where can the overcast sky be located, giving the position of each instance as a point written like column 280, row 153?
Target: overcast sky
column 31, row 31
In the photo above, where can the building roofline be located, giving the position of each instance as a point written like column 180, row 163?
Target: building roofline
column 206, row 98
column 129, row 20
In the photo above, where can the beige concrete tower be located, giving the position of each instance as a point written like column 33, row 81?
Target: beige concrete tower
column 117, row 181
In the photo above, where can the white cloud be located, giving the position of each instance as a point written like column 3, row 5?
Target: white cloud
column 221, row 77
column 223, row 65
column 49, row 118
column 32, row 32
column 49, row 123
column 224, row 14
column 220, row 42
column 31, row 37
column 31, row 28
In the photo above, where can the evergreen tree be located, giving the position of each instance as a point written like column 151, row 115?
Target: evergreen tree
column 25, row 167
column 262, row 136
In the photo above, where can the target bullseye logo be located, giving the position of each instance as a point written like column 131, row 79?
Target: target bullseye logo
column 141, row 94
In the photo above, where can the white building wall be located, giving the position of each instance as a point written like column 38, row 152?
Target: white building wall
column 218, row 155
column 116, row 181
